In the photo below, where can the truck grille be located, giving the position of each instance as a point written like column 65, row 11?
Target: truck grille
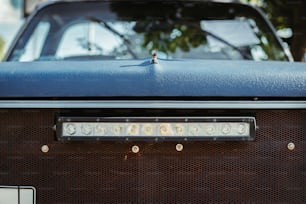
column 263, row 171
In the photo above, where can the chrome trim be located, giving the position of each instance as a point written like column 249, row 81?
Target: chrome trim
column 154, row 104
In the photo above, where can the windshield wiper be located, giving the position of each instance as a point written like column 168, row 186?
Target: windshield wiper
column 241, row 52
column 108, row 27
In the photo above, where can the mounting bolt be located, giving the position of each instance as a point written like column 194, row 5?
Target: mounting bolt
column 45, row 148
column 135, row 149
column 291, row 146
column 179, row 147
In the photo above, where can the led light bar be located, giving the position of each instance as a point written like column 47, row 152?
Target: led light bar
column 168, row 128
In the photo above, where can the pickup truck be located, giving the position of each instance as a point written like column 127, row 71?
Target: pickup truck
column 151, row 102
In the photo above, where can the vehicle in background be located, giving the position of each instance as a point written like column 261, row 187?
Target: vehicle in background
column 107, row 30
column 151, row 102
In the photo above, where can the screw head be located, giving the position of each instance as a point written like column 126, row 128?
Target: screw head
column 291, row 146
column 45, row 148
column 135, row 149
column 179, row 147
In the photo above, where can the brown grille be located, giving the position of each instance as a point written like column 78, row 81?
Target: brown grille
column 263, row 171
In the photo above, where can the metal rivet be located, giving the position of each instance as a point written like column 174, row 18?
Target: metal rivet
column 135, row 149
column 45, row 148
column 291, row 146
column 179, row 147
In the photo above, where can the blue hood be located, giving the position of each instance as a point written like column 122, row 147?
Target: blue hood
column 139, row 78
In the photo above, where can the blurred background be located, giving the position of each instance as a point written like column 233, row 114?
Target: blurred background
column 288, row 17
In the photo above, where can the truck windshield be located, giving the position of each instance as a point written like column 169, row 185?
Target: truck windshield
column 131, row 30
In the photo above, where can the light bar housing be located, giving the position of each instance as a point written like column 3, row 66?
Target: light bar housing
column 156, row 128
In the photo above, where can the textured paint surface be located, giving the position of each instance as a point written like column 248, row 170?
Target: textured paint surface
column 140, row 78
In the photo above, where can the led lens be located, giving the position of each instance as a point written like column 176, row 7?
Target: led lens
column 148, row 129
column 117, row 129
column 101, row 130
column 86, row 129
column 165, row 129
column 226, row 129
column 70, row 129
column 179, row 129
column 133, row 129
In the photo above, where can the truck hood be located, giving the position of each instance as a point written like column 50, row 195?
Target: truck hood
column 140, row 78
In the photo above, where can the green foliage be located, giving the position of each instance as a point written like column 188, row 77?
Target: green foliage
column 287, row 14
column 173, row 36
column 165, row 27
column 277, row 11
